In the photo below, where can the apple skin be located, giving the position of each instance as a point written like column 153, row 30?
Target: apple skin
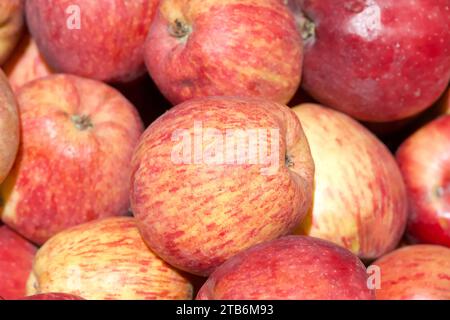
column 424, row 159
column 52, row 296
column 195, row 216
column 198, row 48
column 74, row 162
column 109, row 44
column 26, row 64
column 290, row 268
column 418, row 272
column 11, row 26
column 105, row 260
column 16, row 260
column 377, row 60
column 359, row 197
column 9, row 127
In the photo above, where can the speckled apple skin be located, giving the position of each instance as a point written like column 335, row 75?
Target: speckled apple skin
column 105, row 260
column 26, row 64
column 377, row 60
column 9, row 127
column 65, row 176
column 360, row 200
column 16, row 259
column 290, row 268
column 195, row 216
column 418, row 272
column 11, row 26
column 109, row 44
column 424, row 160
column 234, row 48
column 52, row 296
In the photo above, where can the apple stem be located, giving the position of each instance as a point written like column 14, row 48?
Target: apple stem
column 82, row 122
column 179, row 29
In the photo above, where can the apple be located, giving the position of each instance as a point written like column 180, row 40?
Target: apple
column 9, row 127
column 52, row 296
column 214, row 176
column 418, row 272
column 359, row 196
column 26, row 64
column 100, row 39
column 290, row 268
column 376, row 60
column 424, row 159
column 74, row 163
column 11, row 26
column 105, row 260
column 199, row 48
column 16, row 259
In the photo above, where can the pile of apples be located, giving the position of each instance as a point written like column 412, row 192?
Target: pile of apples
column 348, row 196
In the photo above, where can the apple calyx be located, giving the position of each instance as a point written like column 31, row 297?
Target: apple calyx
column 82, row 122
column 179, row 29
column 307, row 28
column 289, row 161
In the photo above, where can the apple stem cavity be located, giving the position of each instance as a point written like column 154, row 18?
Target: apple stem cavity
column 308, row 28
column 289, row 161
column 179, row 29
column 82, row 122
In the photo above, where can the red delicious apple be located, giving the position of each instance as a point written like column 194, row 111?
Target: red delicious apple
column 74, row 162
column 424, row 160
column 100, row 39
column 214, row 176
column 26, row 64
column 9, row 128
column 52, row 296
column 199, row 48
column 377, row 60
column 419, row 272
column 11, row 26
column 105, row 259
column 16, row 259
column 359, row 197
column 295, row 268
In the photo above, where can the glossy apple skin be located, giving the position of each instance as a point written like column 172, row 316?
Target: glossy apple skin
column 9, row 127
column 418, row 272
column 377, row 60
column 105, row 260
column 195, row 216
column 52, row 296
column 359, row 196
column 232, row 48
column 26, row 64
column 69, row 171
column 16, row 260
column 291, row 268
column 109, row 44
column 11, row 26
column 424, row 159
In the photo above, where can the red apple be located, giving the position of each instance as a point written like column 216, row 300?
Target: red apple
column 26, row 64
column 376, row 60
column 9, row 128
column 295, row 268
column 74, row 162
column 206, row 186
column 16, row 259
column 424, row 160
column 199, row 48
column 105, row 259
column 11, row 26
column 52, row 296
column 359, row 197
column 100, row 39
column 419, row 272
